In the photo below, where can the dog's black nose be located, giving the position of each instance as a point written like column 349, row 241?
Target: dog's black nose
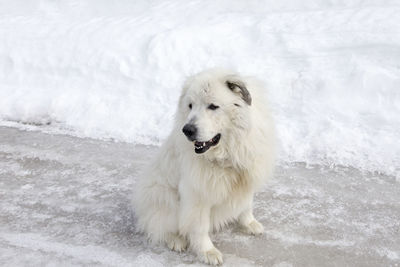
column 190, row 131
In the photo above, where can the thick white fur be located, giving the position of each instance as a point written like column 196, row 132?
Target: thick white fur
column 182, row 195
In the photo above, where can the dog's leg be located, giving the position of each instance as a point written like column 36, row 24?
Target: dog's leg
column 248, row 223
column 176, row 242
column 194, row 222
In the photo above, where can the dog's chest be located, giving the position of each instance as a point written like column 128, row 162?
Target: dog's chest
column 228, row 183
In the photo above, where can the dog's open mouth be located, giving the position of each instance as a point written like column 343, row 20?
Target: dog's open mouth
column 201, row 147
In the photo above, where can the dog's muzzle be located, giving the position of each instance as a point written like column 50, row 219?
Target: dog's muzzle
column 190, row 130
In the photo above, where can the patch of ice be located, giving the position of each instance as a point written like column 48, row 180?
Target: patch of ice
column 291, row 238
column 390, row 254
column 89, row 254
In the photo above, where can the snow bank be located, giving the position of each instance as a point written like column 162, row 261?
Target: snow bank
column 105, row 70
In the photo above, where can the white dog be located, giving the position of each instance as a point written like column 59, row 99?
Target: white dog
column 219, row 153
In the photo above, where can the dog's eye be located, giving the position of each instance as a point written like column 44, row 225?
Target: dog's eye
column 190, row 105
column 213, row 107
column 231, row 85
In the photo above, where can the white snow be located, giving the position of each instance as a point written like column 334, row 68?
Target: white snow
column 106, row 69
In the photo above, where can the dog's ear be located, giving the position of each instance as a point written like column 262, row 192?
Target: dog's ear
column 237, row 86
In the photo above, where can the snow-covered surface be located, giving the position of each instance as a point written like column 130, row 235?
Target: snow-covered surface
column 113, row 69
column 64, row 201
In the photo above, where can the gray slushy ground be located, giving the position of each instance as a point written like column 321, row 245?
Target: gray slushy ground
column 64, row 201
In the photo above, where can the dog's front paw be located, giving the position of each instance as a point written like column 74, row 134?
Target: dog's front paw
column 213, row 257
column 176, row 243
column 253, row 228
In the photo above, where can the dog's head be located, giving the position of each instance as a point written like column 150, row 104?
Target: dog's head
column 214, row 105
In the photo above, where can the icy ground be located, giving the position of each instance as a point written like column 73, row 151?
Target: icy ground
column 65, row 201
